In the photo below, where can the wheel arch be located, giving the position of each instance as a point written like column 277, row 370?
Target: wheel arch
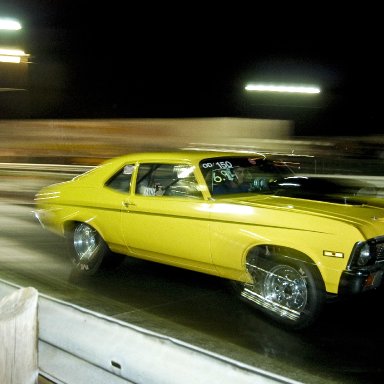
column 295, row 300
column 69, row 226
column 273, row 251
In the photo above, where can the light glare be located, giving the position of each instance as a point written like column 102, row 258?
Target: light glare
column 9, row 24
column 282, row 88
column 12, row 52
column 10, row 59
column 12, row 55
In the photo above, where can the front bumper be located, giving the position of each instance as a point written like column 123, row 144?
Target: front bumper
column 357, row 281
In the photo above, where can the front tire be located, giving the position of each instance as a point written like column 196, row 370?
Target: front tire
column 288, row 290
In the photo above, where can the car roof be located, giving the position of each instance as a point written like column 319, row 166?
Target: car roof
column 104, row 169
column 191, row 155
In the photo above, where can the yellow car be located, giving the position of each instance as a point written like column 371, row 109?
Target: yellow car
column 287, row 243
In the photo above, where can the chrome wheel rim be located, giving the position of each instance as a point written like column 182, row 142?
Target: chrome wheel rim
column 85, row 242
column 285, row 287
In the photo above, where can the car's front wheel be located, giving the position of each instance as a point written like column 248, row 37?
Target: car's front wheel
column 88, row 250
column 288, row 290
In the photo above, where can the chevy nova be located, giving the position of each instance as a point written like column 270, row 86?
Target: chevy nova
column 287, row 243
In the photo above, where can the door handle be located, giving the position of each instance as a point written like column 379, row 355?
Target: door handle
column 127, row 203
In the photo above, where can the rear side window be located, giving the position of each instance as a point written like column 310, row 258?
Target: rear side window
column 121, row 181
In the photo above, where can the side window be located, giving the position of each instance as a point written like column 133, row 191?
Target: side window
column 121, row 181
column 167, row 180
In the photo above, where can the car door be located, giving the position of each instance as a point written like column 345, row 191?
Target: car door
column 166, row 219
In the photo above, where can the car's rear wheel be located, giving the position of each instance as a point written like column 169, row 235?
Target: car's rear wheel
column 88, row 250
column 288, row 290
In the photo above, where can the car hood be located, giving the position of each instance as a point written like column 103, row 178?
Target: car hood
column 328, row 189
column 369, row 219
column 342, row 199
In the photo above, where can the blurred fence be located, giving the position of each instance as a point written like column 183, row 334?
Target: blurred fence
column 89, row 141
column 34, row 153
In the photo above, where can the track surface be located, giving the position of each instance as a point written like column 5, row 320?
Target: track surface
column 345, row 346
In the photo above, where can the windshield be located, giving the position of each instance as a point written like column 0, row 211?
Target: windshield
column 225, row 175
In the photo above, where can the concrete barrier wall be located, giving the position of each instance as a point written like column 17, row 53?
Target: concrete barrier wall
column 77, row 346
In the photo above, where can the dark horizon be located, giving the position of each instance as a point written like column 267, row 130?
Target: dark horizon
column 115, row 63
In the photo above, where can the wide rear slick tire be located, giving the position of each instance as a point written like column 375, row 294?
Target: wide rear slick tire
column 287, row 290
column 87, row 249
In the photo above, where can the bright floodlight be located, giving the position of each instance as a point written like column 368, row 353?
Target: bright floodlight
column 12, row 55
column 282, row 88
column 10, row 24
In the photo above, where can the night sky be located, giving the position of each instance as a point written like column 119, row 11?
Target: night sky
column 190, row 59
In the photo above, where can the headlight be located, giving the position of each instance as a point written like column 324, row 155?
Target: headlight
column 364, row 255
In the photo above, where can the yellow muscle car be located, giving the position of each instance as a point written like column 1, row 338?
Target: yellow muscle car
column 286, row 242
